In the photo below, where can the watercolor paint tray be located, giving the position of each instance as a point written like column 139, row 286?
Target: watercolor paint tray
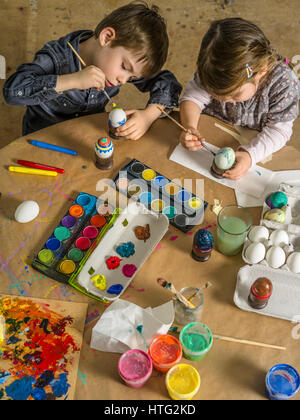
column 122, row 232
column 161, row 195
column 74, row 238
column 284, row 302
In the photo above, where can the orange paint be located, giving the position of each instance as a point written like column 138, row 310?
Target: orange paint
column 165, row 351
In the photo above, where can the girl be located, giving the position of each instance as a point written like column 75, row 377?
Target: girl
column 241, row 80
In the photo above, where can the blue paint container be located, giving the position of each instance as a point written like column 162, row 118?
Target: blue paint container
column 282, row 382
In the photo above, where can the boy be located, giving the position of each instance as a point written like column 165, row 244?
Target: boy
column 129, row 45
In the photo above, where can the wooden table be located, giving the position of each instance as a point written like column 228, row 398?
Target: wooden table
column 229, row 370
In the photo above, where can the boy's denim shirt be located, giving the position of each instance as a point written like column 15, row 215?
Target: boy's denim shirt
column 33, row 85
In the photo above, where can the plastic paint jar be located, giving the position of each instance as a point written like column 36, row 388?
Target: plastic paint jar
column 183, row 382
column 98, row 220
column 165, row 351
column 90, row 232
column 53, row 244
column 67, row 267
column 76, row 211
column 282, row 382
column 46, row 256
column 62, row 233
column 75, row 254
column 83, row 243
column 196, row 340
column 185, row 315
column 69, row 222
column 135, row 367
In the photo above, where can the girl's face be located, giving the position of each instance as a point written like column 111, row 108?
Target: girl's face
column 245, row 92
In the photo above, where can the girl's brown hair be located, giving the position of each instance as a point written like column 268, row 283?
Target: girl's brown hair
column 141, row 30
column 229, row 46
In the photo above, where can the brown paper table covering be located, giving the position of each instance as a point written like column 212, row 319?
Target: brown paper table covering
column 229, row 370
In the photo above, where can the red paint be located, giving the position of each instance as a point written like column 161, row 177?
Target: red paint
column 83, row 243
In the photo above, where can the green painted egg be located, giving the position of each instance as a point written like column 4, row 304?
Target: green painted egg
column 277, row 200
column 225, row 158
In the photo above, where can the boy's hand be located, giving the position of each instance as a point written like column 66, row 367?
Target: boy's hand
column 192, row 139
column 136, row 126
column 90, row 77
column 243, row 164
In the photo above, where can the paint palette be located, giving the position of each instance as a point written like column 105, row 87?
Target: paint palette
column 113, row 264
column 161, row 195
column 74, row 238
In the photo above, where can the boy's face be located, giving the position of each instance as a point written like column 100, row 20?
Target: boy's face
column 118, row 63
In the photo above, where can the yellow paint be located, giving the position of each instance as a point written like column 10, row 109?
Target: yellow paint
column 100, row 281
column 148, row 174
column 171, row 189
column 157, row 205
column 67, row 266
column 195, row 203
column 183, row 382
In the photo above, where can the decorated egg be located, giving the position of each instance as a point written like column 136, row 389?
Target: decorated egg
column 276, row 200
column 27, row 211
column 203, row 240
column 255, row 252
column 258, row 234
column 225, row 158
column 279, row 238
column 276, row 215
column 275, row 257
column 104, row 147
column 117, row 117
column 293, row 262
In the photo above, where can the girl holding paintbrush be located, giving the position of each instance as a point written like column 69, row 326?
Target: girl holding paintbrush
column 242, row 80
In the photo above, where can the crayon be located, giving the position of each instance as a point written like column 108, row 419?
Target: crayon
column 31, row 171
column 49, row 146
column 40, row 166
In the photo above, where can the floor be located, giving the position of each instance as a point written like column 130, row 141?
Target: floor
column 27, row 24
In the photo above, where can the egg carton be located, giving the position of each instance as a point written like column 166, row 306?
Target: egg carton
column 292, row 217
column 284, row 302
column 276, row 248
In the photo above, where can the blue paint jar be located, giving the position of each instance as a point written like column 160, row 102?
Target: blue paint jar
column 282, row 382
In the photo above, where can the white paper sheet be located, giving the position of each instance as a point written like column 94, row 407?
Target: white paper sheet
column 253, row 183
column 125, row 326
column 291, row 177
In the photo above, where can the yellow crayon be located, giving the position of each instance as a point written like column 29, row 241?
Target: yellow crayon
column 31, row 171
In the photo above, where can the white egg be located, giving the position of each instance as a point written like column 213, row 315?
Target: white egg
column 117, row 117
column 255, row 252
column 293, row 262
column 275, row 257
column 279, row 238
column 258, row 234
column 27, row 211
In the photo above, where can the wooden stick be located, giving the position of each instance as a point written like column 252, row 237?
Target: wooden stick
column 77, row 55
column 252, row 343
column 182, row 127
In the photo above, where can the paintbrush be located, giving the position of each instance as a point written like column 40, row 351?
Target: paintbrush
column 172, row 289
column 183, row 128
column 206, row 286
column 83, row 63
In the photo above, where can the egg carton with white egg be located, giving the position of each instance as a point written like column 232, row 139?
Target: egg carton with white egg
column 284, row 302
column 285, row 217
column 275, row 248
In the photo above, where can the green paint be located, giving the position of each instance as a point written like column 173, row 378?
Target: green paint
column 45, row 256
column 195, row 342
column 75, row 255
column 61, row 233
column 91, row 271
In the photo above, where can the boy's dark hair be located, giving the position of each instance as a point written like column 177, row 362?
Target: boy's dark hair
column 227, row 48
column 141, row 30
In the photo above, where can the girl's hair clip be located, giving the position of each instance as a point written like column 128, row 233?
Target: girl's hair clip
column 249, row 71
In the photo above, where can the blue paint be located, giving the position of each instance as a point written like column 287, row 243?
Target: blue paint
column 13, row 340
column 20, row 389
column 282, row 382
column 53, row 244
column 183, row 195
column 60, row 386
column 39, row 394
column 3, row 377
column 126, row 249
column 115, row 289
column 146, row 197
column 160, row 181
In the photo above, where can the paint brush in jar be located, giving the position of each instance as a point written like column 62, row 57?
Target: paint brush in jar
column 206, row 286
column 169, row 286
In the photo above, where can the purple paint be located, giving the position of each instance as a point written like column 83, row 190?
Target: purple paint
column 69, row 221
column 135, row 367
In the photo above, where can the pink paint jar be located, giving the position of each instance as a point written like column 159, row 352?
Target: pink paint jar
column 90, row 232
column 135, row 367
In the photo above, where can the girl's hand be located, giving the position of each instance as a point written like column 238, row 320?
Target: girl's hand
column 243, row 164
column 136, row 126
column 191, row 140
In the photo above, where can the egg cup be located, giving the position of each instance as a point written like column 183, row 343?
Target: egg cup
column 217, row 172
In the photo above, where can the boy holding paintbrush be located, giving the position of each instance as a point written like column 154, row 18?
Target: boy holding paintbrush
column 129, row 45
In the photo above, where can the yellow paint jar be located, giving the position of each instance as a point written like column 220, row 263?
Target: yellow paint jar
column 148, row 174
column 183, row 382
column 67, row 267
